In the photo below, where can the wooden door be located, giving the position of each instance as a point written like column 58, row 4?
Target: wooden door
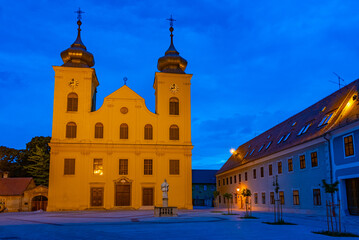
column 123, row 195
column 96, row 197
column 147, row 196
column 39, row 203
column 352, row 186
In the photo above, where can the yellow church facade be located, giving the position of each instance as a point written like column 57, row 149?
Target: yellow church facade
column 117, row 157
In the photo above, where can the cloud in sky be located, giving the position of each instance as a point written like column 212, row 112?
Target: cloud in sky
column 255, row 63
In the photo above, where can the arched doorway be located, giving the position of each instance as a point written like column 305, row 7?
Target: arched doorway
column 39, row 202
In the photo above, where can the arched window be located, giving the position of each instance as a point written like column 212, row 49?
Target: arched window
column 174, row 132
column 72, row 102
column 99, row 130
column 174, row 106
column 124, row 131
column 71, row 129
column 148, row 132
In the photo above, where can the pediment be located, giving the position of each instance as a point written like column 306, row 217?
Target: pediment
column 123, row 180
column 124, row 93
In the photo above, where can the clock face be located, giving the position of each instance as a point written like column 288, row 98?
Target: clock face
column 73, row 83
column 174, row 88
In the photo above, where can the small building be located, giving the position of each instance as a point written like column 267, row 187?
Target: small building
column 22, row 194
column 203, row 186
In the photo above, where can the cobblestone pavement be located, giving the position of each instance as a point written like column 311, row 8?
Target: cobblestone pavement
column 140, row 224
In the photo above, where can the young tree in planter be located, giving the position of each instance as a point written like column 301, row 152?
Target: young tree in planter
column 228, row 196
column 331, row 188
column 277, row 204
column 246, row 193
column 215, row 195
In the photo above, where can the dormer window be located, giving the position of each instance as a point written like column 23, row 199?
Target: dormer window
column 294, row 124
column 252, row 152
column 286, row 137
column 261, row 148
column 304, row 129
column 280, row 139
column 268, row 145
column 245, row 155
column 325, row 119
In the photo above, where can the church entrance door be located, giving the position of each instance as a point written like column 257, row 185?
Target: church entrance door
column 123, row 195
column 96, row 197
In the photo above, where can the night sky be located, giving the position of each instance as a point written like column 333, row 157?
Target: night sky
column 254, row 63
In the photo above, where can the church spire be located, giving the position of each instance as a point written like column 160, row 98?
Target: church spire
column 172, row 62
column 77, row 55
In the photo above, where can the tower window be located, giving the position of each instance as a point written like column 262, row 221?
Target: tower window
column 174, row 132
column 174, row 106
column 99, row 130
column 148, row 132
column 124, row 131
column 72, row 102
column 71, row 129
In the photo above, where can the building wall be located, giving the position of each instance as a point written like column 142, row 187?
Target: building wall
column 12, row 203
column 203, row 193
column 303, row 180
column 72, row 192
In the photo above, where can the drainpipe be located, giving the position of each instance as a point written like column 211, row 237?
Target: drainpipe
column 330, row 157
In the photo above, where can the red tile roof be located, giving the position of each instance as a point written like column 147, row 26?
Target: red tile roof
column 14, row 186
column 346, row 111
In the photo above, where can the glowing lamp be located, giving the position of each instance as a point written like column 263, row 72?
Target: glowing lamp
column 232, row 150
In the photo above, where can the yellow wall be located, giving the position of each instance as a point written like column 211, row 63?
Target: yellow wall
column 72, row 192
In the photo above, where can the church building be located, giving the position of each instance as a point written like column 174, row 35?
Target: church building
column 117, row 156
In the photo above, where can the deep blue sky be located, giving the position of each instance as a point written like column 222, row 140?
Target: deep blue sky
column 254, row 63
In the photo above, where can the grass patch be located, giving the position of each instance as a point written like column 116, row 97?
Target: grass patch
column 248, row 217
column 216, row 211
column 336, row 234
column 279, row 223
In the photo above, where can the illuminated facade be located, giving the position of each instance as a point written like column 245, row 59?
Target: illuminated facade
column 321, row 142
column 117, row 156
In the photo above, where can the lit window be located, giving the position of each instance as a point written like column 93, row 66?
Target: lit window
column 271, row 195
column 302, row 161
column 279, row 164
column 349, row 146
column 290, row 165
column 286, row 137
column 295, row 197
column 281, row 197
column 270, row 170
column 269, row 144
column 314, row 157
column 325, row 119
column 98, row 167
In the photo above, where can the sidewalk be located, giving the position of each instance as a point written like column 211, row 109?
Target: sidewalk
column 140, row 224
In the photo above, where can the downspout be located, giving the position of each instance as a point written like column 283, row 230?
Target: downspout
column 330, row 157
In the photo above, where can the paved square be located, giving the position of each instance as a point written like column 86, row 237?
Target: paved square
column 196, row 224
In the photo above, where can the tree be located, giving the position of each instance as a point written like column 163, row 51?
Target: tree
column 215, row 195
column 12, row 161
column 227, row 196
column 38, row 168
column 278, row 217
column 331, row 188
column 38, row 158
column 246, row 193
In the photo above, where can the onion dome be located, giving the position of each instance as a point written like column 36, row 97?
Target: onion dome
column 172, row 62
column 77, row 55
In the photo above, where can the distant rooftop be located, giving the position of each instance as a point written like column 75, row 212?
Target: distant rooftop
column 335, row 111
column 204, row 176
column 14, row 186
